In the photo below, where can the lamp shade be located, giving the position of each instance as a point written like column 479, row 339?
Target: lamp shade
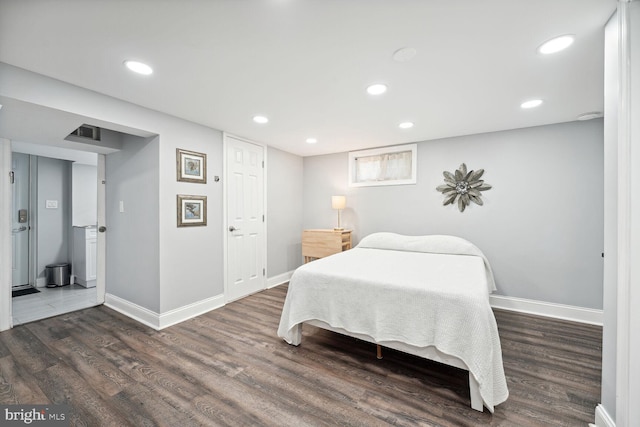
column 338, row 202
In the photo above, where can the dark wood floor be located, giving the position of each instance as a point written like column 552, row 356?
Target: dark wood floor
column 228, row 367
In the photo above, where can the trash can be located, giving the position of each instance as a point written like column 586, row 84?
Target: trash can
column 58, row 274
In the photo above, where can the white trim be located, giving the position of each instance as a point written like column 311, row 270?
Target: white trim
column 278, row 280
column 189, row 311
column 134, row 311
column 101, row 206
column 265, row 222
column 225, row 224
column 603, row 419
column 547, row 309
column 161, row 321
column 41, row 282
column 623, row 335
column 6, row 321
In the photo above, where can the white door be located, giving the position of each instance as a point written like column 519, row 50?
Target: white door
column 245, row 218
column 20, row 219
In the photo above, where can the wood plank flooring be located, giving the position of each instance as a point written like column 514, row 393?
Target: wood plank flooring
column 228, row 367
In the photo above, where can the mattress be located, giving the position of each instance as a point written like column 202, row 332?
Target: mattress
column 418, row 290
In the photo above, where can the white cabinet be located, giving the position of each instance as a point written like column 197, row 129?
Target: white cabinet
column 85, row 252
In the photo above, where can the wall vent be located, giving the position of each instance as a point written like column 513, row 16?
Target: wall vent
column 87, row 131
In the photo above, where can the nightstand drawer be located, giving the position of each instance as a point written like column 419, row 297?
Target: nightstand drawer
column 322, row 243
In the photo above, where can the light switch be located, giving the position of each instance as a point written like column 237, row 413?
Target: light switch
column 51, row 204
column 121, row 206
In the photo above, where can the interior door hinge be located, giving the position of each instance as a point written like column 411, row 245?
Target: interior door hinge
column 12, row 177
column 263, row 164
column 264, row 272
column 262, row 218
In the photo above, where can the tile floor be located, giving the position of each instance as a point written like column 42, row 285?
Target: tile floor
column 52, row 302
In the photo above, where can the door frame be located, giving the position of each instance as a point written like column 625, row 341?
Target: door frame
column 6, row 254
column 225, row 222
column 101, row 273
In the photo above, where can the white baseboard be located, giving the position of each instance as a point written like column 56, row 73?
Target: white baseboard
column 134, row 311
column 190, row 311
column 547, row 309
column 274, row 281
column 602, row 417
column 41, row 282
column 160, row 321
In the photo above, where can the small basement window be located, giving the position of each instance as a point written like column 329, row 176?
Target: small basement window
column 383, row 166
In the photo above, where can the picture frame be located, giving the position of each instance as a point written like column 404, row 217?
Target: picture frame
column 191, row 166
column 191, row 210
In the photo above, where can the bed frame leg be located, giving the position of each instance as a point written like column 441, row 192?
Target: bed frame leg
column 379, row 351
column 474, row 391
column 297, row 334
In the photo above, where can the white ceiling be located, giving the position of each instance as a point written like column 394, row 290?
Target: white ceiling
column 306, row 63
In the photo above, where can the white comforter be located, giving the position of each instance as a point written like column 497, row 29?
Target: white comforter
column 422, row 291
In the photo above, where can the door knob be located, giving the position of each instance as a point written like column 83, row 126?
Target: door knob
column 232, row 229
column 102, row 229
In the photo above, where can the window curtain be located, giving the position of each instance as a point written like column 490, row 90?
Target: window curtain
column 384, row 167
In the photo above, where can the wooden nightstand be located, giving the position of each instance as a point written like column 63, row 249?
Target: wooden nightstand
column 322, row 243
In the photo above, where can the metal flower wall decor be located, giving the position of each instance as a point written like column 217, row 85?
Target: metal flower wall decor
column 463, row 185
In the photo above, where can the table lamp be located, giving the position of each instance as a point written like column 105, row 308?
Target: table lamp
column 338, row 203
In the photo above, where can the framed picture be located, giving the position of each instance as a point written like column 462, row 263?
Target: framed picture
column 192, row 210
column 191, row 166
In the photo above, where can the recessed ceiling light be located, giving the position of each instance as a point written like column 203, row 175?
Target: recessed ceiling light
column 589, row 116
column 533, row 103
column 404, row 55
column 377, row 89
column 556, row 44
column 311, row 140
column 405, row 125
column 138, row 67
column 260, row 119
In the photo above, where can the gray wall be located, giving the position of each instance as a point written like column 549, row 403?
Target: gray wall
column 132, row 236
column 284, row 211
column 542, row 223
column 191, row 258
column 53, row 225
column 188, row 261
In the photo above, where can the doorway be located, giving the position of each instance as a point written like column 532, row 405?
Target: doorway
column 45, row 223
column 47, row 130
column 245, row 219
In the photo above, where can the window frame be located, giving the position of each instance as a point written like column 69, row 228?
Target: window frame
column 354, row 155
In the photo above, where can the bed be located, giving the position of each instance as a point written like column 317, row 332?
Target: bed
column 424, row 295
